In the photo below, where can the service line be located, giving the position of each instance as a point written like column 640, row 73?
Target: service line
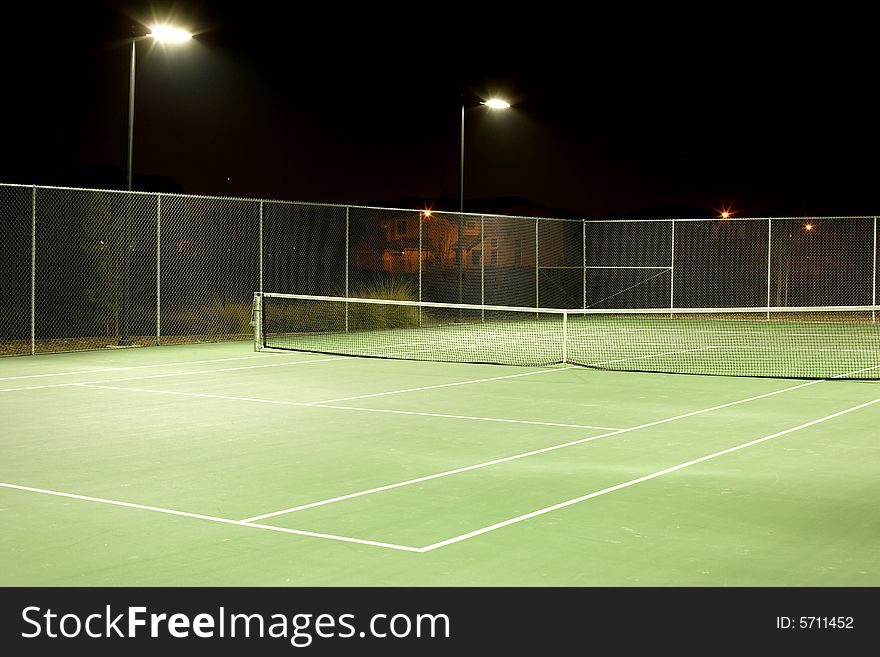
column 283, row 402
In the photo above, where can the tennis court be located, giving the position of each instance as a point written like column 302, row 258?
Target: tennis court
column 212, row 464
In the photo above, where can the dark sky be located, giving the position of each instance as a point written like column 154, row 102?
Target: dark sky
column 273, row 100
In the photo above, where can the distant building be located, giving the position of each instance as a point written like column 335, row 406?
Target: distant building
column 390, row 240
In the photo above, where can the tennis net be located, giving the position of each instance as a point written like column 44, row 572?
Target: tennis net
column 812, row 343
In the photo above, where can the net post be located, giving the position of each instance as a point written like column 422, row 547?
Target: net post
column 158, row 269
column 347, row 256
column 564, row 338
column 257, row 320
column 672, row 270
column 769, row 251
column 33, row 269
column 874, row 277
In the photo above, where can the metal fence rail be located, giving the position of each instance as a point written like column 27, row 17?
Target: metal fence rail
column 87, row 269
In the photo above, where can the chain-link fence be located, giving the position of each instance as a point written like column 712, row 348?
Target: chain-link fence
column 16, row 269
column 85, row 269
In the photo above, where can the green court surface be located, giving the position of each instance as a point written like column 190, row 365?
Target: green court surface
column 212, row 465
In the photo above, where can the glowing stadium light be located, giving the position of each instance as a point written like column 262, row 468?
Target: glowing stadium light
column 725, row 215
column 426, row 213
column 169, row 34
column 808, row 227
column 496, row 103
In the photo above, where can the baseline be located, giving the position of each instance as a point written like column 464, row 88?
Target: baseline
column 170, row 374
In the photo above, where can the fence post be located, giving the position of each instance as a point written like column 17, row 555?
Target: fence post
column 584, row 255
column 158, row 269
column 260, row 238
column 347, row 255
column 769, row 251
column 33, row 269
column 672, row 270
column 874, row 277
column 482, row 267
column 537, row 272
column 421, row 218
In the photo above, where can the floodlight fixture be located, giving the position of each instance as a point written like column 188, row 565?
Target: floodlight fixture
column 169, row 34
column 496, row 103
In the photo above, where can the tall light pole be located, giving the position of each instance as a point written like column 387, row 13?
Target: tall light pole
column 161, row 34
column 492, row 103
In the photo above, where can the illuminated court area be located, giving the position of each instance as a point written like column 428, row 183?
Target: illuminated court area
column 212, row 464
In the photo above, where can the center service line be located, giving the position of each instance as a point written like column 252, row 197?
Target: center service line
column 468, row 468
column 443, row 385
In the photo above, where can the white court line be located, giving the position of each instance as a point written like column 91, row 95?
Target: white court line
column 781, row 349
column 442, row 385
column 136, row 367
column 455, row 539
column 165, row 376
column 465, row 417
column 667, row 353
column 514, row 457
column 633, row 482
column 199, row 516
column 281, row 402
column 585, row 330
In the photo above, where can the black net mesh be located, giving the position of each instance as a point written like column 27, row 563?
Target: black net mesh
column 819, row 344
column 414, row 332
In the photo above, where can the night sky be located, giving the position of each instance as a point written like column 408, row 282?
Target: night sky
column 275, row 100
